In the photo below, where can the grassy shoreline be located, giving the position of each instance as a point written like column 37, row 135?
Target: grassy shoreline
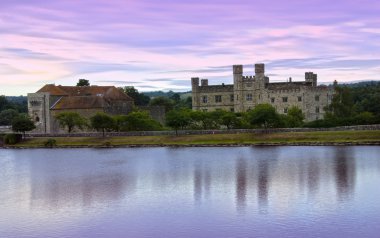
column 244, row 139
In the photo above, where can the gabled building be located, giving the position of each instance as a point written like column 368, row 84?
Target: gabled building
column 50, row 100
column 248, row 91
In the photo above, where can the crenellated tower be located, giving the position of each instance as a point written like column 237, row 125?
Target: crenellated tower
column 311, row 78
column 195, row 93
column 238, row 87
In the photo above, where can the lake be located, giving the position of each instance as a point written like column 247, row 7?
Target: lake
column 191, row 192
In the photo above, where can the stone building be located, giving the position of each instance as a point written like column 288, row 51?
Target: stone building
column 50, row 100
column 248, row 91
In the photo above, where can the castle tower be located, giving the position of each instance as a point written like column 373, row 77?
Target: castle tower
column 260, row 75
column 38, row 110
column 195, row 93
column 312, row 78
column 238, row 88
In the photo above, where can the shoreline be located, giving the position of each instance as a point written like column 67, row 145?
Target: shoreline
column 331, row 138
column 195, row 145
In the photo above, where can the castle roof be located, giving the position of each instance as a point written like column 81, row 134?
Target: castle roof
column 108, row 92
column 79, row 102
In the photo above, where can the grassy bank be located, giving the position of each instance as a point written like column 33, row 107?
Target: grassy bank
column 290, row 138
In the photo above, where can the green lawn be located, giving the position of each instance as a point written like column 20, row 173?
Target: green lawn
column 220, row 139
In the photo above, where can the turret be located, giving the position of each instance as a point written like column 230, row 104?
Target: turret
column 259, row 71
column 238, row 87
column 195, row 93
column 204, row 82
column 261, row 80
column 311, row 78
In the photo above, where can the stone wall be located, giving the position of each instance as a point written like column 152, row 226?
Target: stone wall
column 156, row 112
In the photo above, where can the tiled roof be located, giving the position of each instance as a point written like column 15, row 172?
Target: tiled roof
column 79, row 102
column 108, row 92
column 53, row 90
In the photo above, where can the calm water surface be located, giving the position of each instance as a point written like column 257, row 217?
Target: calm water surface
column 191, row 192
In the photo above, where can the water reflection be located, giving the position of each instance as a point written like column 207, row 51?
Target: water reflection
column 345, row 172
column 169, row 186
column 58, row 185
column 241, row 183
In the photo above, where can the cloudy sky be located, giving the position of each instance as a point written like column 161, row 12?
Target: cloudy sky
column 160, row 45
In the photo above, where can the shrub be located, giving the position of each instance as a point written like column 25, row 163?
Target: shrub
column 12, row 139
column 50, row 143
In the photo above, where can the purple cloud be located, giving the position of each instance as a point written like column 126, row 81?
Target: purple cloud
column 114, row 41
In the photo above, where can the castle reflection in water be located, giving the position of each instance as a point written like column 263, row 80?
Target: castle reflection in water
column 257, row 177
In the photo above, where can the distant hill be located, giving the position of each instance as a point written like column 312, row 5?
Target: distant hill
column 168, row 94
column 361, row 84
column 17, row 99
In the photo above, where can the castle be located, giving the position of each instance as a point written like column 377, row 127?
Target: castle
column 51, row 100
column 248, row 91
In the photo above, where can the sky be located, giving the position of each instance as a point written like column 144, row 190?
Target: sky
column 160, row 45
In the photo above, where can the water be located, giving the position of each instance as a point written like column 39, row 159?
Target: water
column 191, row 192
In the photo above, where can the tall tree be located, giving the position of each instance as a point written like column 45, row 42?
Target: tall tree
column 139, row 98
column 70, row 120
column 229, row 119
column 22, row 124
column 295, row 117
column 342, row 103
column 3, row 102
column 102, row 122
column 7, row 116
column 178, row 119
column 83, row 82
column 264, row 115
column 163, row 101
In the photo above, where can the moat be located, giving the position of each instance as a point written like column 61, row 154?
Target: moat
column 273, row 191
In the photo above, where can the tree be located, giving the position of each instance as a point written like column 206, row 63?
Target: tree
column 70, row 120
column 295, row 117
column 22, row 124
column 201, row 119
column 140, row 99
column 178, row 119
column 342, row 103
column 140, row 121
column 102, row 122
column 7, row 116
column 163, row 101
column 3, row 102
column 83, row 82
column 264, row 115
column 175, row 97
column 229, row 119
column 120, row 122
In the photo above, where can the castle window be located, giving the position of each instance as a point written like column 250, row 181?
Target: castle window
column 317, row 109
column 317, row 98
column 218, row 98
column 232, row 109
column 249, row 97
column 272, row 100
column 37, row 119
column 299, row 98
column 204, row 99
column 285, row 110
column 285, row 99
column 231, row 97
column 204, row 110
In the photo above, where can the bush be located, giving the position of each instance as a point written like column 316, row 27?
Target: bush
column 12, row 139
column 50, row 143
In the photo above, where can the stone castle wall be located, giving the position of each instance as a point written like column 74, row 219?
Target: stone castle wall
column 249, row 91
